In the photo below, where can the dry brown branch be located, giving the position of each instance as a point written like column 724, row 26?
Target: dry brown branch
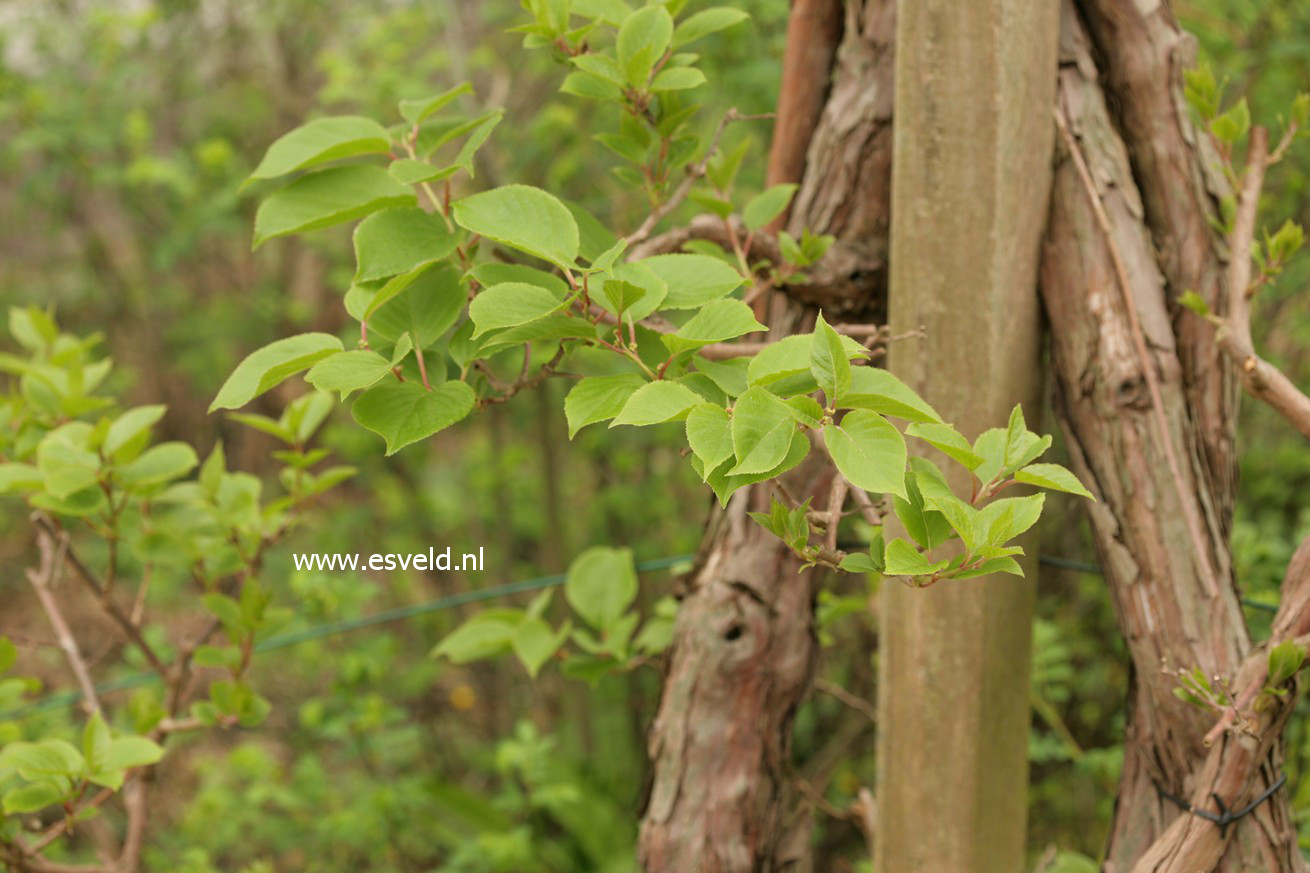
column 43, row 580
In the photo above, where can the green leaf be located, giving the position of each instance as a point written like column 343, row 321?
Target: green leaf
column 408, row 171
column 20, row 477
column 589, row 86
column 678, row 79
column 66, row 464
column 484, row 635
column 272, row 364
column 717, row 321
column 31, row 798
column 709, row 433
column 1285, row 661
column 328, row 197
column 523, row 218
column 762, row 429
column 1194, row 302
column 1052, row 476
column 95, row 742
column 348, row 372
column 424, row 309
column 535, row 642
column 130, row 425
column 927, row 526
column 1003, row 564
column 725, row 485
column 643, row 38
column 828, row 362
column 876, row 389
column 396, row 241
column 903, row 559
column 790, row 356
column 8, row 654
column 1002, row 520
column 693, row 280
column 859, row 562
column 601, row 584
column 510, row 304
column 597, row 398
column 729, row 375
column 157, row 465
column 402, row 412
column 639, row 276
column 320, row 141
column 127, row 752
column 655, row 403
column 707, row 21
column 948, row 440
column 477, row 137
column 868, row 451
column 43, row 760
column 767, row 205
column 418, row 111
column 496, row 273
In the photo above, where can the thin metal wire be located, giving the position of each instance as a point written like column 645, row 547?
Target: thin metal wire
column 331, row 629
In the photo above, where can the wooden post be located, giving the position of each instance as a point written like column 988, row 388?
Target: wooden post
column 975, row 83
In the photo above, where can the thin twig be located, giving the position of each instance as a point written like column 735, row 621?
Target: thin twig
column 42, row 581
column 1144, row 358
column 853, row 701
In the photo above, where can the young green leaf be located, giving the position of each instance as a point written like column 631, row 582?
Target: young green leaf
column 767, row 205
column 597, row 398
column 157, row 465
column 717, row 321
column 275, row 362
column 657, row 402
column 1052, row 476
column 868, row 451
column 320, row 141
column 510, row 304
column 903, row 559
column 535, row 642
column 423, row 309
column 828, row 362
column 948, row 440
column 403, row 412
column 418, row 111
column 762, row 429
column 601, row 584
column 705, row 22
column 484, row 635
column 876, row 389
column 130, row 425
column 396, row 241
column 348, row 372
column 523, row 218
column 927, row 526
column 643, row 38
column 724, row 484
column 709, row 433
column 693, row 280
column 678, row 79
column 328, row 197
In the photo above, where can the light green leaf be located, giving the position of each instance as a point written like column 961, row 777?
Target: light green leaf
column 859, row 562
column 425, row 308
column 717, row 321
column 643, row 38
column 495, row 273
column 828, row 362
column 485, row 634
column 66, row 464
column 927, row 526
column 125, row 753
column 876, row 389
column 328, row 197
column 868, row 451
column 657, row 402
column 762, row 429
column 535, row 642
column 597, row 398
column 396, row 241
column 408, row 171
column 725, row 485
column 790, row 356
column 31, row 798
column 20, row 477
column 130, row 425
column 320, row 141
column 157, row 465
column 403, row 413
column 523, row 218
column 418, row 111
column 709, row 433
column 948, row 440
column 678, row 79
column 510, row 304
column 729, row 375
column 641, row 276
column 263, row 369
column 601, row 584
column 348, row 372
column 1002, row 520
column 478, row 136
column 767, row 205
column 8, row 654
column 903, row 559
column 1054, row 477
column 705, row 22
column 693, row 280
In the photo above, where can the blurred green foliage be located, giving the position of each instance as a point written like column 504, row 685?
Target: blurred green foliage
column 125, row 131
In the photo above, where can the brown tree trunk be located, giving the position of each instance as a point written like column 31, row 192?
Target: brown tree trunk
column 744, row 649
column 1148, row 410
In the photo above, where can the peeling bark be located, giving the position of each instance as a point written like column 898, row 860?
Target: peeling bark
column 1170, row 610
column 744, row 649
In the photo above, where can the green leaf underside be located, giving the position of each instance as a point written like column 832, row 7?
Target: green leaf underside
column 403, row 412
column 510, row 304
column 266, row 367
column 598, row 398
column 348, row 372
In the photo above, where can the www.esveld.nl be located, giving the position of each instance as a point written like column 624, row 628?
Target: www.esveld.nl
column 429, row 560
